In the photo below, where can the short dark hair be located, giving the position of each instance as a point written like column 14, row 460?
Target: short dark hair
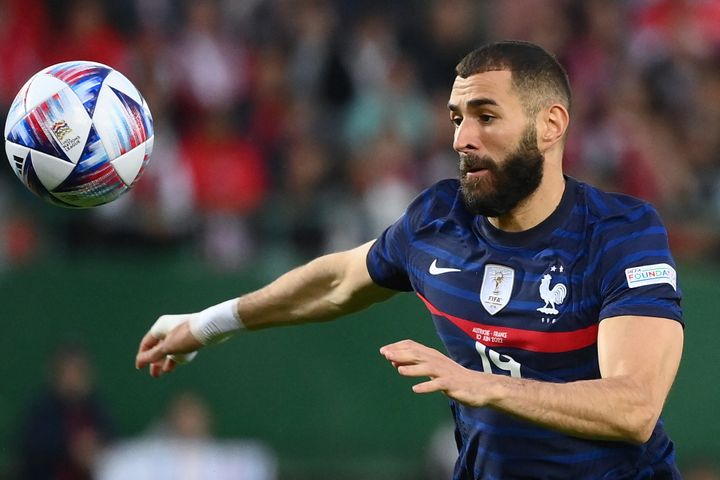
column 537, row 75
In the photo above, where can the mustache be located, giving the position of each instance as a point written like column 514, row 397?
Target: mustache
column 470, row 162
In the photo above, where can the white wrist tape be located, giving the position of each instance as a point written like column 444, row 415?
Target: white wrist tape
column 217, row 323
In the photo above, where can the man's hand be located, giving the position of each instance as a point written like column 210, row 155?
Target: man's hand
column 412, row 359
column 168, row 343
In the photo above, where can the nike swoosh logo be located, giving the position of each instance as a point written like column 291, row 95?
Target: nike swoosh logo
column 435, row 270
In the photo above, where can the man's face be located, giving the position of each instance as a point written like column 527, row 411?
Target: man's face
column 500, row 163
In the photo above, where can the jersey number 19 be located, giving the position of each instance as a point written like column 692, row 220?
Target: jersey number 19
column 502, row 362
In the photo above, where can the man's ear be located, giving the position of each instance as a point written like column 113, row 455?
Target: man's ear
column 553, row 124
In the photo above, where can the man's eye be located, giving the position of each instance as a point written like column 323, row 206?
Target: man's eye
column 456, row 121
column 486, row 118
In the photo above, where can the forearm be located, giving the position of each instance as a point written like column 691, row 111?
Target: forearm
column 303, row 294
column 325, row 288
column 614, row 408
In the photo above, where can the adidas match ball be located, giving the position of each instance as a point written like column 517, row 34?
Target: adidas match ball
column 79, row 134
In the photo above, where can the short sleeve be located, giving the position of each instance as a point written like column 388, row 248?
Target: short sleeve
column 637, row 271
column 386, row 260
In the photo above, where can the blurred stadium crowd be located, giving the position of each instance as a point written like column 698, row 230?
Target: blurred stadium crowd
column 301, row 126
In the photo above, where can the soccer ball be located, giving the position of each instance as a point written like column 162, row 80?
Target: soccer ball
column 79, row 134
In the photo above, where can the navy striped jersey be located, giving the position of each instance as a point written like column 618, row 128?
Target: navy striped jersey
column 528, row 304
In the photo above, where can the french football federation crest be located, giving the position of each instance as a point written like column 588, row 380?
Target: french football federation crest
column 551, row 296
column 497, row 285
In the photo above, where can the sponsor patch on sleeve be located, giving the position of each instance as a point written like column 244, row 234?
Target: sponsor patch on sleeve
column 651, row 275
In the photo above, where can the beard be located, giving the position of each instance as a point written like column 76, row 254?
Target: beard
column 505, row 184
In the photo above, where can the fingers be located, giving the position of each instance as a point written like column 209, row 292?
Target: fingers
column 147, row 351
column 406, row 352
column 160, row 343
column 169, row 365
column 421, row 370
column 151, row 355
column 147, row 342
column 412, row 359
column 162, row 366
column 155, row 369
column 428, row 387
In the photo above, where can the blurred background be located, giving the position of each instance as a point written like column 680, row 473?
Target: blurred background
column 290, row 128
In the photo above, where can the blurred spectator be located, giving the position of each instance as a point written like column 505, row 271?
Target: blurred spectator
column 67, row 425
column 395, row 108
column 451, row 28
column 211, row 69
column 181, row 447
column 296, row 218
column 385, row 182
column 440, row 160
column 18, row 241
column 317, row 65
column 23, row 33
column 229, row 176
column 228, row 170
column 372, row 52
column 84, row 33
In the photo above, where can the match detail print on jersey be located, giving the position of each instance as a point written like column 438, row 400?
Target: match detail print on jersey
column 531, row 340
column 496, row 287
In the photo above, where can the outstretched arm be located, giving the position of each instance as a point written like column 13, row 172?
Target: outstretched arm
column 638, row 356
column 323, row 289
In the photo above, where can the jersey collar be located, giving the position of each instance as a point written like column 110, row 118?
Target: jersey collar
column 539, row 232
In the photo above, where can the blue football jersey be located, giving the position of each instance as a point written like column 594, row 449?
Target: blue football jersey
column 528, row 304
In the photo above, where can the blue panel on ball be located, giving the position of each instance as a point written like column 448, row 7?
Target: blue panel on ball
column 94, row 181
column 92, row 188
column 94, row 153
column 131, row 118
column 85, row 78
column 35, row 131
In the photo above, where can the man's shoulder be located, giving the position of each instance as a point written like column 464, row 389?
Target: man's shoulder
column 605, row 206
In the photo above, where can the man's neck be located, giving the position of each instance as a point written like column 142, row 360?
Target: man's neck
column 534, row 209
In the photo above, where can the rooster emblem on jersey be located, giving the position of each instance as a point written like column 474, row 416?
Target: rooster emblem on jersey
column 551, row 296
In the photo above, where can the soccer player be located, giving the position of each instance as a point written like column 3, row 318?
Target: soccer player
column 557, row 303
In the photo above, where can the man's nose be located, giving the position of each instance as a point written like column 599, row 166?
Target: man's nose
column 466, row 138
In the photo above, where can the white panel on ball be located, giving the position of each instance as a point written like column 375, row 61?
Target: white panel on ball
column 17, row 109
column 128, row 166
column 73, row 135
column 108, row 111
column 149, row 144
column 50, row 170
column 119, row 82
column 41, row 88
